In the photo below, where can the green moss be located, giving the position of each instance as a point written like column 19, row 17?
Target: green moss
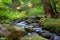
column 38, row 38
column 51, row 24
column 34, row 37
column 3, row 38
column 15, row 32
column 10, row 16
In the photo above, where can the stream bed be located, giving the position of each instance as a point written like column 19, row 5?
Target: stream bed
column 38, row 29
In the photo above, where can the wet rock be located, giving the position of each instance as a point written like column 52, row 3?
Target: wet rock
column 51, row 39
column 29, row 21
column 29, row 28
column 36, row 25
column 46, row 34
column 32, row 20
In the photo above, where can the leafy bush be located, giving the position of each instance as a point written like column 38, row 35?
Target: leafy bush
column 7, row 13
column 51, row 24
column 6, row 1
column 13, row 15
column 36, row 11
column 4, row 7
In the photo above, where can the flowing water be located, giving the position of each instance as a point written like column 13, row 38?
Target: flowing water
column 38, row 29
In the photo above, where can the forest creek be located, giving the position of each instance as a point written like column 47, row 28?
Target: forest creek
column 34, row 27
column 28, row 23
column 29, row 19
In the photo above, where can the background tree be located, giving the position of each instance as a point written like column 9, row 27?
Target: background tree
column 48, row 9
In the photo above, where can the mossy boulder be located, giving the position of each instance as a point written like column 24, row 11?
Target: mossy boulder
column 34, row 37
column 51, row 24
column 12, row 32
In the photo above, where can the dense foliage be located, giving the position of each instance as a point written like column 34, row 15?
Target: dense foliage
column 6, row 11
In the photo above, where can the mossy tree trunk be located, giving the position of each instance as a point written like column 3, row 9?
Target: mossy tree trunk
column 48, row 9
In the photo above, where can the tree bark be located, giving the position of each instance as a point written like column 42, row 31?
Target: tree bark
column 48, row 8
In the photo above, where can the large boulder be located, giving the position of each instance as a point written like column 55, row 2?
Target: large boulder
column 12, row 32
column 4, row 32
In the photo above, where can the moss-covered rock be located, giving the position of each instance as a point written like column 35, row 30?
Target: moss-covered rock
column 12, row 32
column 34, row 37
column 51, row 24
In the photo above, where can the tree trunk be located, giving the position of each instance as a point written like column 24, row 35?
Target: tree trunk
column 48, row 9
